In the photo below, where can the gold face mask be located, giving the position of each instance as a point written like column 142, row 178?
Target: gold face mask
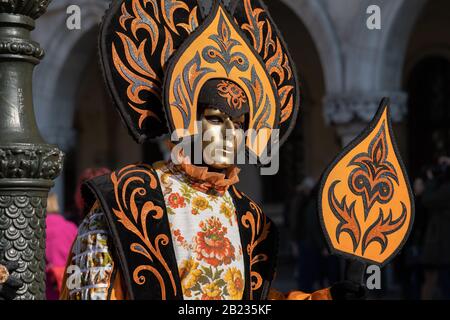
column 222, row 138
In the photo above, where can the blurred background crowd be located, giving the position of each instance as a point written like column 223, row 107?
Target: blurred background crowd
column 345, row 68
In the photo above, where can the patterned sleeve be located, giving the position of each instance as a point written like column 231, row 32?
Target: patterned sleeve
column 90, row 267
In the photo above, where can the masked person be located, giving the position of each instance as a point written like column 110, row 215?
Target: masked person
column 181, row 229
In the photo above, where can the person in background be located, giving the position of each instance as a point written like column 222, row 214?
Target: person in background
column 298, row 198
column 315, row 266
column 60, row 236
column 86, row 175
column 409, row 267
column 436, row 252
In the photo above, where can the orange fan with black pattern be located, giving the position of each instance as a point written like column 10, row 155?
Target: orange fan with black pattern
column 366, row 206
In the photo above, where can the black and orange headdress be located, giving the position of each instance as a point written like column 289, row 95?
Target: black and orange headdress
column 157, row 56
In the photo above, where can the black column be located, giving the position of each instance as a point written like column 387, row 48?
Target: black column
column 28, row 165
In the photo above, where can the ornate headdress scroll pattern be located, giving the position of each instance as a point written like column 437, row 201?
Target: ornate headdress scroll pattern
column 256, row 22
column 366, row 204
column 130, row 211
column 157, row 54
column 137, row 39
column 218, row 50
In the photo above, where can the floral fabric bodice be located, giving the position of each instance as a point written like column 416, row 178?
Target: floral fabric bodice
column 206, row 238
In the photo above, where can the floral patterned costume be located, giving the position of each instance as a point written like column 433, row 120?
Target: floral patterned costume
column 207, row 238
column 205, row 230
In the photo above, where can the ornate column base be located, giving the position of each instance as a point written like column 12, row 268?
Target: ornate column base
column 26, row 174
column 351, row 113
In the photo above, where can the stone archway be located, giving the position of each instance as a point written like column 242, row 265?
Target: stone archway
column 393, row 46
column 58, row 75
column 314, row 16
column 374, row 61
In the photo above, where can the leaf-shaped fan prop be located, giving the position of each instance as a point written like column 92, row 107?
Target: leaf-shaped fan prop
column 366, row 206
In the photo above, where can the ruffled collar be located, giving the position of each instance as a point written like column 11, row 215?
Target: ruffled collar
column 204, row 180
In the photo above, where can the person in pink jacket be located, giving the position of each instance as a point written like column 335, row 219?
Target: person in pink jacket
column 60, row 236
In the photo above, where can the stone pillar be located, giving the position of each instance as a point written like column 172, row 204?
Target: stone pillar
column 350, row 114
column 28, row 165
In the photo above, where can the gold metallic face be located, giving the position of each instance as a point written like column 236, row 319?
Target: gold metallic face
column 222, row 138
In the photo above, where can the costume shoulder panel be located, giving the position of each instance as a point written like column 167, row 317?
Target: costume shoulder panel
column 134, row 206
column 259, row 236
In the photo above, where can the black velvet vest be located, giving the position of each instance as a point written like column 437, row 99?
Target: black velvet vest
column 134, row 205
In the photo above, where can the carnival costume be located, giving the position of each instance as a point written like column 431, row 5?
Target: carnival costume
column 181, row 231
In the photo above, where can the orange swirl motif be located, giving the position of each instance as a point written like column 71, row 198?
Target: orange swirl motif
column 131, row 52
column 168, row 8
column 260, row 229
column 277, row 63
column 128, row 186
